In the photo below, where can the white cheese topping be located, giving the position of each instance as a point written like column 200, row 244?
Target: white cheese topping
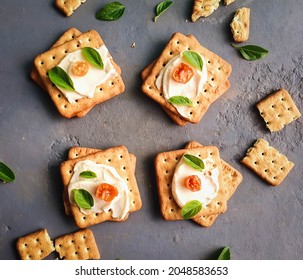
column 105, row 174
column 192, row 89
column 85, row 86
column 209, row 183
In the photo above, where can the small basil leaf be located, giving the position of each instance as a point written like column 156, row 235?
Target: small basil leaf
column 161, row 8
column 225, row 254
column 194, row 162
column 111, row 11
column 60, row 78
column 251, row 52
column 6, row 174
column 181, row 100
column 83, row 198
column 93, row 57
column 194, row 59
column 88, row 174
column 190, row 209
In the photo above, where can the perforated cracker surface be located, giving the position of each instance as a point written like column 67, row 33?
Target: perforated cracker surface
column 80, row 245
column 35, row 246
column 278, row 110
column 267, row 162
column 240, row 25
column 204, row 8
column 68, row 6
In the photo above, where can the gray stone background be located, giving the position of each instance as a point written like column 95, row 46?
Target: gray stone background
column 262, row 222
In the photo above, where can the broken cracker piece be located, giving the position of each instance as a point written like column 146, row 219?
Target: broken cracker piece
column 228, row 2
column 240, row 25
column 204, row 8
column 278, row 110
column 68, row 6
column 267, row 162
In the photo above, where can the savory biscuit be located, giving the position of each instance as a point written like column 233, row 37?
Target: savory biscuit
column 80, row 245
column 113, row 86
column 267, row 162
column 165, row 164
column 35, row 246
column 228, row 2
column 218, row 71
column 240, row 25
column 68, row 6
column 204, row 8
column 117, row 157
column 278, row 110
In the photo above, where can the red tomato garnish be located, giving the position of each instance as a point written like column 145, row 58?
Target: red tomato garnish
column 193, row 183
column 106, row 192
column 183, row 73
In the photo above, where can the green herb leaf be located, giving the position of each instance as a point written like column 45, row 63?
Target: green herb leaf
column 83, row 198
column 251, row 52
column 194, row 59
column 225, row 254
column 88, row 174
column 6, row 174
column 161, row 8
column 181, row 100
column 111, row 11
column 60, row 78
column 190, row 209
column 194, row 162
column 93, row 57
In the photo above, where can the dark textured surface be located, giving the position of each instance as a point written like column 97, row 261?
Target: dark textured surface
column 261, row 222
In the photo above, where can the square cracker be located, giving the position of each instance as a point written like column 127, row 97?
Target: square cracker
column 68, row 6
column 267, row 162
column 218, row 71
column 278, row 110
column 165, row 164
column 119, row 158
column 178, row 119
column 67, row 36
column 35, row 246
column 80, row 245
column 204, row 8
column 231, row 180
column 51, row 58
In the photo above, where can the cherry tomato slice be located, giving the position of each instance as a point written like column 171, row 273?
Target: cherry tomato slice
column 183, row 73
column 193, row 183
column 80, row 68
column 106, row 192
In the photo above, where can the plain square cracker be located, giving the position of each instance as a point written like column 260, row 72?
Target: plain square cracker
column 67, row 36
column 68, row 6
column 119, row 158
column 204, row 8
column 240, row 25
column 80, row 245
column 278, row 110
column 231, row 180
column 35, row 246
column 218, row 72
column 165, row 164
column 267, row 162
column 44, row 62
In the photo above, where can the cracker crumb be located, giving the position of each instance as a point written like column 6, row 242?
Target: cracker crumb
column 133, row 45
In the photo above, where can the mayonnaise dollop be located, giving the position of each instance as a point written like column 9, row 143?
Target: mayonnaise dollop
column 85, row 86
column 209, row 181
column 105, row 174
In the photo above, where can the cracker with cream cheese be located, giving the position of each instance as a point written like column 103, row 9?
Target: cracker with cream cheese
column 165, row 165
column 218, row 71
column 113, row 86
column 118, row 158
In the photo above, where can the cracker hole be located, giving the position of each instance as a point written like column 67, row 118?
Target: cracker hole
column 41, row 63
column 164, row 64
column 176, row 158
column 212, row 79
column 59, row 95
column 127, row 179
column 73, row 35
column 177, row 42
column 170, row 53
column 165, row 159
column 161, row 94
column 191, row 113
column 219, row 203
column 121, row 156
column 65, row 51
column 208, row 61
column 112, row 83
column 172, row 210
column 109, row 160
column 266, row 170
column 256, row 162
column 130, row 190
column 134, row 202
column 198, row 102
column 170, row 198
column 78, row 45
column 219, row 68
column 124, row 167
column 100, row 89
column 205, row 90
column 70, row 171
column 166, row 171
column 54, row 57
column 168, row 185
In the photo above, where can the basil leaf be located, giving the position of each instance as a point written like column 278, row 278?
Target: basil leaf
column 93, row 57
column 60, row 78
column 83, row 198
column 251, row 52
column 181, row 100
column 111, row 11
column 190, row 209
column 161, row 8
column 225, row 254
column 88, row 174
column 194, row 59
column 6, row 174
column 194, row 162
